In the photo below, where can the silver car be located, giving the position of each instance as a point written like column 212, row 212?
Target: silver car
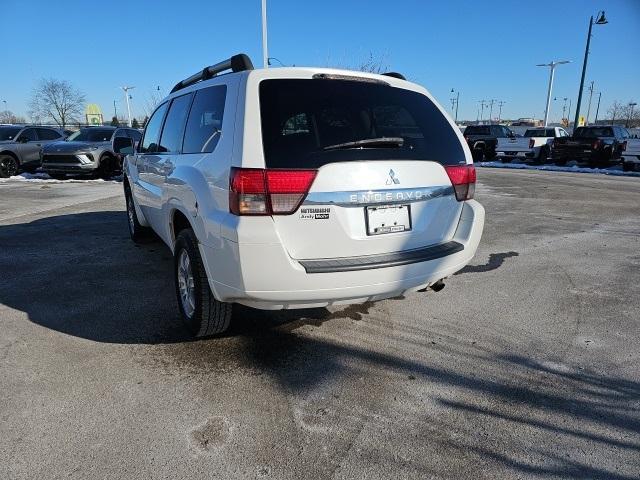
column 90, row 150
column 20, row 147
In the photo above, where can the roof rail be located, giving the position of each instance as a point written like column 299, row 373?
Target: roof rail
column 237, row 63
column 394, row 75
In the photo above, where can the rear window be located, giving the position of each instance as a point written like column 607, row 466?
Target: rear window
column 593, row 132
column 303, row 121
column 540, row 133
column 477, row 130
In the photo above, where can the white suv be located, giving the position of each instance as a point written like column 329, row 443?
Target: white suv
column 301, row 187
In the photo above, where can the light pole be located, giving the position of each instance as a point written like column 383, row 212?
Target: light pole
column 265, row 54
column 552, row 67
column 126, row 97
column 564, row 107
column 590, row 97
column 482, row 104
column 600, row 21
column 631, row 104
column 457, row 103
column 500, row 104
column 598, row 107
column 491, row 102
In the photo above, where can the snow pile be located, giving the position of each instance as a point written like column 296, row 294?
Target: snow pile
column 44, row 178
column 570, row 167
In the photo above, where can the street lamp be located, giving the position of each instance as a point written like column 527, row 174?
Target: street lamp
column 552, row 67
column 265, row 54
column 600, row 21
column 457, row 103
column 127, row 97
column 631, row 104
column 274, row 58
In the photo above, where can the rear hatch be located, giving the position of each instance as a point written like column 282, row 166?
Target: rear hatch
column 379, row 154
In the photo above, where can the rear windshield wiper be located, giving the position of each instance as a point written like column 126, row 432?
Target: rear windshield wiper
column 368, row 142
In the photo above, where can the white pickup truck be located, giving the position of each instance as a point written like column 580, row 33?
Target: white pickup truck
column 535, row 145
column 631, row 156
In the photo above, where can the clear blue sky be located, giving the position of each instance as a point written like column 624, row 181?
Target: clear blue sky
column 484, row 49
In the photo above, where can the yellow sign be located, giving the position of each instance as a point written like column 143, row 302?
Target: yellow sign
column 93, row 114
column 581, row 121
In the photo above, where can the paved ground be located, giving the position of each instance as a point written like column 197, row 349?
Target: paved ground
column 525, row 366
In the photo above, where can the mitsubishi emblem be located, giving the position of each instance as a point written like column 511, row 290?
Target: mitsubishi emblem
column 392, row 178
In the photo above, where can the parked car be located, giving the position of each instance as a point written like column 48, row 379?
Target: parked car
column 599, row 146
column 535, row 145
column 20, row 147
column 91, row 150
column 301, row 187
column 631, row 155
column 483, row 140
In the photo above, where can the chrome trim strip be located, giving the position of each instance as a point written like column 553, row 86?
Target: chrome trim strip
column 358, row 198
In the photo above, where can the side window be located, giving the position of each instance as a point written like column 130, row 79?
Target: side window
column 152, row 132
column 205, row 120
column 171, row 139
column 47, row 134
column 29, row 134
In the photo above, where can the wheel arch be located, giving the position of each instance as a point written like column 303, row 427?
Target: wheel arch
column 11, row 154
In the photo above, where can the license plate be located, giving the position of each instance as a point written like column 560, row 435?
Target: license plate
column 388, row 219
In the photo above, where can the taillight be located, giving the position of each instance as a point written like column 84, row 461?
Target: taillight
column 256, row 191
column 596, row 145
column 463, row 178
column 624, row 146
column 531, row 143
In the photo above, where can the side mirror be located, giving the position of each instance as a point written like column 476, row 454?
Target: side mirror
column 123, row 145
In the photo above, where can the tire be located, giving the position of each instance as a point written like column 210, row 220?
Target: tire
column 9, row 166
column 137, row 232
column 490, row 153
column 477, row 155
column 543, row 156
column 202, row 313
column 106, row 168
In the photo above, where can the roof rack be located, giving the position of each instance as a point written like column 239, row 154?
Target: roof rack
column 237, row 63
column 394, row 75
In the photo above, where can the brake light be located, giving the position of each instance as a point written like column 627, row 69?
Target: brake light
column 531, row 143
column 596, row 145
column 463, row 179
column 256, row 191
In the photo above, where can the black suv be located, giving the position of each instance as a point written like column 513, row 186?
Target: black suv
column 599, row 146
column 483, row 139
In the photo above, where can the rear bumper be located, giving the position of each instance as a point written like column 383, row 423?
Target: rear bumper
column 265, row 276
column 514, row 153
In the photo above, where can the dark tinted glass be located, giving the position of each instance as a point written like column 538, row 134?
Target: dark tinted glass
column 300, row 118
column 9, row 133
column 205, row 120
column 477, row 130
column 47, row 134
column 152, row 132
column 136, row 135
column 29, row 134
column 593, row 132
column 92, row 135
column 171, row 140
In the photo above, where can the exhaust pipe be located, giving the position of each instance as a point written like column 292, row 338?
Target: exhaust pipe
column 436, row 286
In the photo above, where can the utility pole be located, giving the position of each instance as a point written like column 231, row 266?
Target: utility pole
column 115, row 110
column 564, row 107
column 601, row 21
column 500, row 104
column 265, row 53
column 482, row 104
column 126, row 97
column 456, row 102
column 552, row 67
column 631, row 104
column 491, row 102
column 598, row 107
column 590, row 97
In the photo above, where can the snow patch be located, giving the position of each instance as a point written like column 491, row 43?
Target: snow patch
column 572, row 167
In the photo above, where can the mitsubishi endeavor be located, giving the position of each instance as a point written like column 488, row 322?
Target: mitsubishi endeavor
column 301, row 187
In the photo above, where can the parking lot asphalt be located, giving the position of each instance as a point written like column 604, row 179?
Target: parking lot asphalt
column 525, row 366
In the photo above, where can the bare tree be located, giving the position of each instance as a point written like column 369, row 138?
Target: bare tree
column 615, row 111
column 8, row 116
column 154, row 97
column 374, row 64
column 57, row 100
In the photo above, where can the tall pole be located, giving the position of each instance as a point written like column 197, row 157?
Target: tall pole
column 598, row 107
column 115, row 110
column 632, row 104
column 590, row 97
column 265, row 54
column 491, row 102
column 549, row 88
column 457, row 105
column 482, row 104
column 126, row 97
column 584, row 71
column 569, row 113
column 500, row 104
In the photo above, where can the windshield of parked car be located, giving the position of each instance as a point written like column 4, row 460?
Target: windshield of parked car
column 593, row 132
column 477, row 130
column 307, row 123
column 9, row 133
column 91, row 135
